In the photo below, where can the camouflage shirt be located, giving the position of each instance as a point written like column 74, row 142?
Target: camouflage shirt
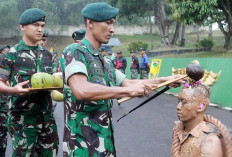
column 18, row 65
column 88, row 127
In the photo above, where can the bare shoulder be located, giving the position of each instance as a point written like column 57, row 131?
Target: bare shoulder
column 212, row 146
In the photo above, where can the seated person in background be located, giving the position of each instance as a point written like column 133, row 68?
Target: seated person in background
column 194, row 135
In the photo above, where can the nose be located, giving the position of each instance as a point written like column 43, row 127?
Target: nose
column 112, row 28
column 178, row 106
column 40, row 28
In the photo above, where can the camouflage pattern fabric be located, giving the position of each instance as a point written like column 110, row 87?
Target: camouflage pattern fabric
column 56, row 64
column 88, row 130
column 122, row 70
column 134, row 74
column 143, row 74
column 3, row 123
column 31, row 122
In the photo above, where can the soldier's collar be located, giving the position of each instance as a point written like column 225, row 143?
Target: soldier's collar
column 90, row 47
column 26, row 47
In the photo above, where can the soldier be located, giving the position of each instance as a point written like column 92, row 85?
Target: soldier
column 4, row 49
column 3, row 114
column 103, row 51
column 89, row 84
column 121, row 62
column 78, row 35
column 43, row 41
column 194, row 136
column 144, row 65
column 134, row 65
column 31, row 122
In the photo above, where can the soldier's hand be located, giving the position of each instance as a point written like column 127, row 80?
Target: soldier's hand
column 140, row 89
column 19, row 90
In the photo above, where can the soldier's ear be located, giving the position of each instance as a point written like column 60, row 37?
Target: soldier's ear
column 22, row 27
column 89, row 23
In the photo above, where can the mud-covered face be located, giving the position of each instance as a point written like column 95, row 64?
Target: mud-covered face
column 189, row 101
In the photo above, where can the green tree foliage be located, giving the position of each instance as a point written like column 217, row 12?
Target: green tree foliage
column 206, row 12
column 136, row 46
column 8, row 14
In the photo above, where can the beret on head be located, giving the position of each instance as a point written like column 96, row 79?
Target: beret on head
column 3, row 47
column 119, row 52
column 109, row 52
column 32, row 15
column 102, row 49
column 142, row 49
column 79, row 34
column 99, row 12
column 45, row 34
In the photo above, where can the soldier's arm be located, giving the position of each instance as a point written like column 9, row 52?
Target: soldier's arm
column 84, row 90
column 17, row 89
column 211, row 146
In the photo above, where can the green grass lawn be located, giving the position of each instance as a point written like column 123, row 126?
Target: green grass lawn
column 60, row 42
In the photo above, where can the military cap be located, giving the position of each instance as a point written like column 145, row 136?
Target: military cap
column 32, row 15
column 79, row 34
column 132, row 51
column 99, row 12
column 3, row 47
column 45, row 34
column 102, row 49
column 119, row 52
column 55, row 52
column 142, row 49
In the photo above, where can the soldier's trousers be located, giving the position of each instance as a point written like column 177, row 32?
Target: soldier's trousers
column 143, row 74
column 134, row 74
column 33, row 136
column 122, row 70
column 3, row 132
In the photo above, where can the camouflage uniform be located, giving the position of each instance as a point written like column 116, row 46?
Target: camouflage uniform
column 31, row 122
column 3, row 124
column 134, row 67
column 56, row 64
column 88, row 126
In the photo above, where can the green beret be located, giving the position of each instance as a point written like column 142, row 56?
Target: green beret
column 31, row 16
column 45, row 34
column 99, row 12
column 3, row 47
column 102, row 49
column 55, row 52
column 79, row 34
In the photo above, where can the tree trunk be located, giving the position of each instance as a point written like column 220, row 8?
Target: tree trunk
column 176, row 34
column 182, row 40
column 198, row 33
column 162, row 21
column 227, row 41
column 210, row 35
column 150, row 23
column 227, row 34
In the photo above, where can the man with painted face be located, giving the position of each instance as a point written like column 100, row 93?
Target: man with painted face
column 89, row 84
column 31, row 123
column 194, row 136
